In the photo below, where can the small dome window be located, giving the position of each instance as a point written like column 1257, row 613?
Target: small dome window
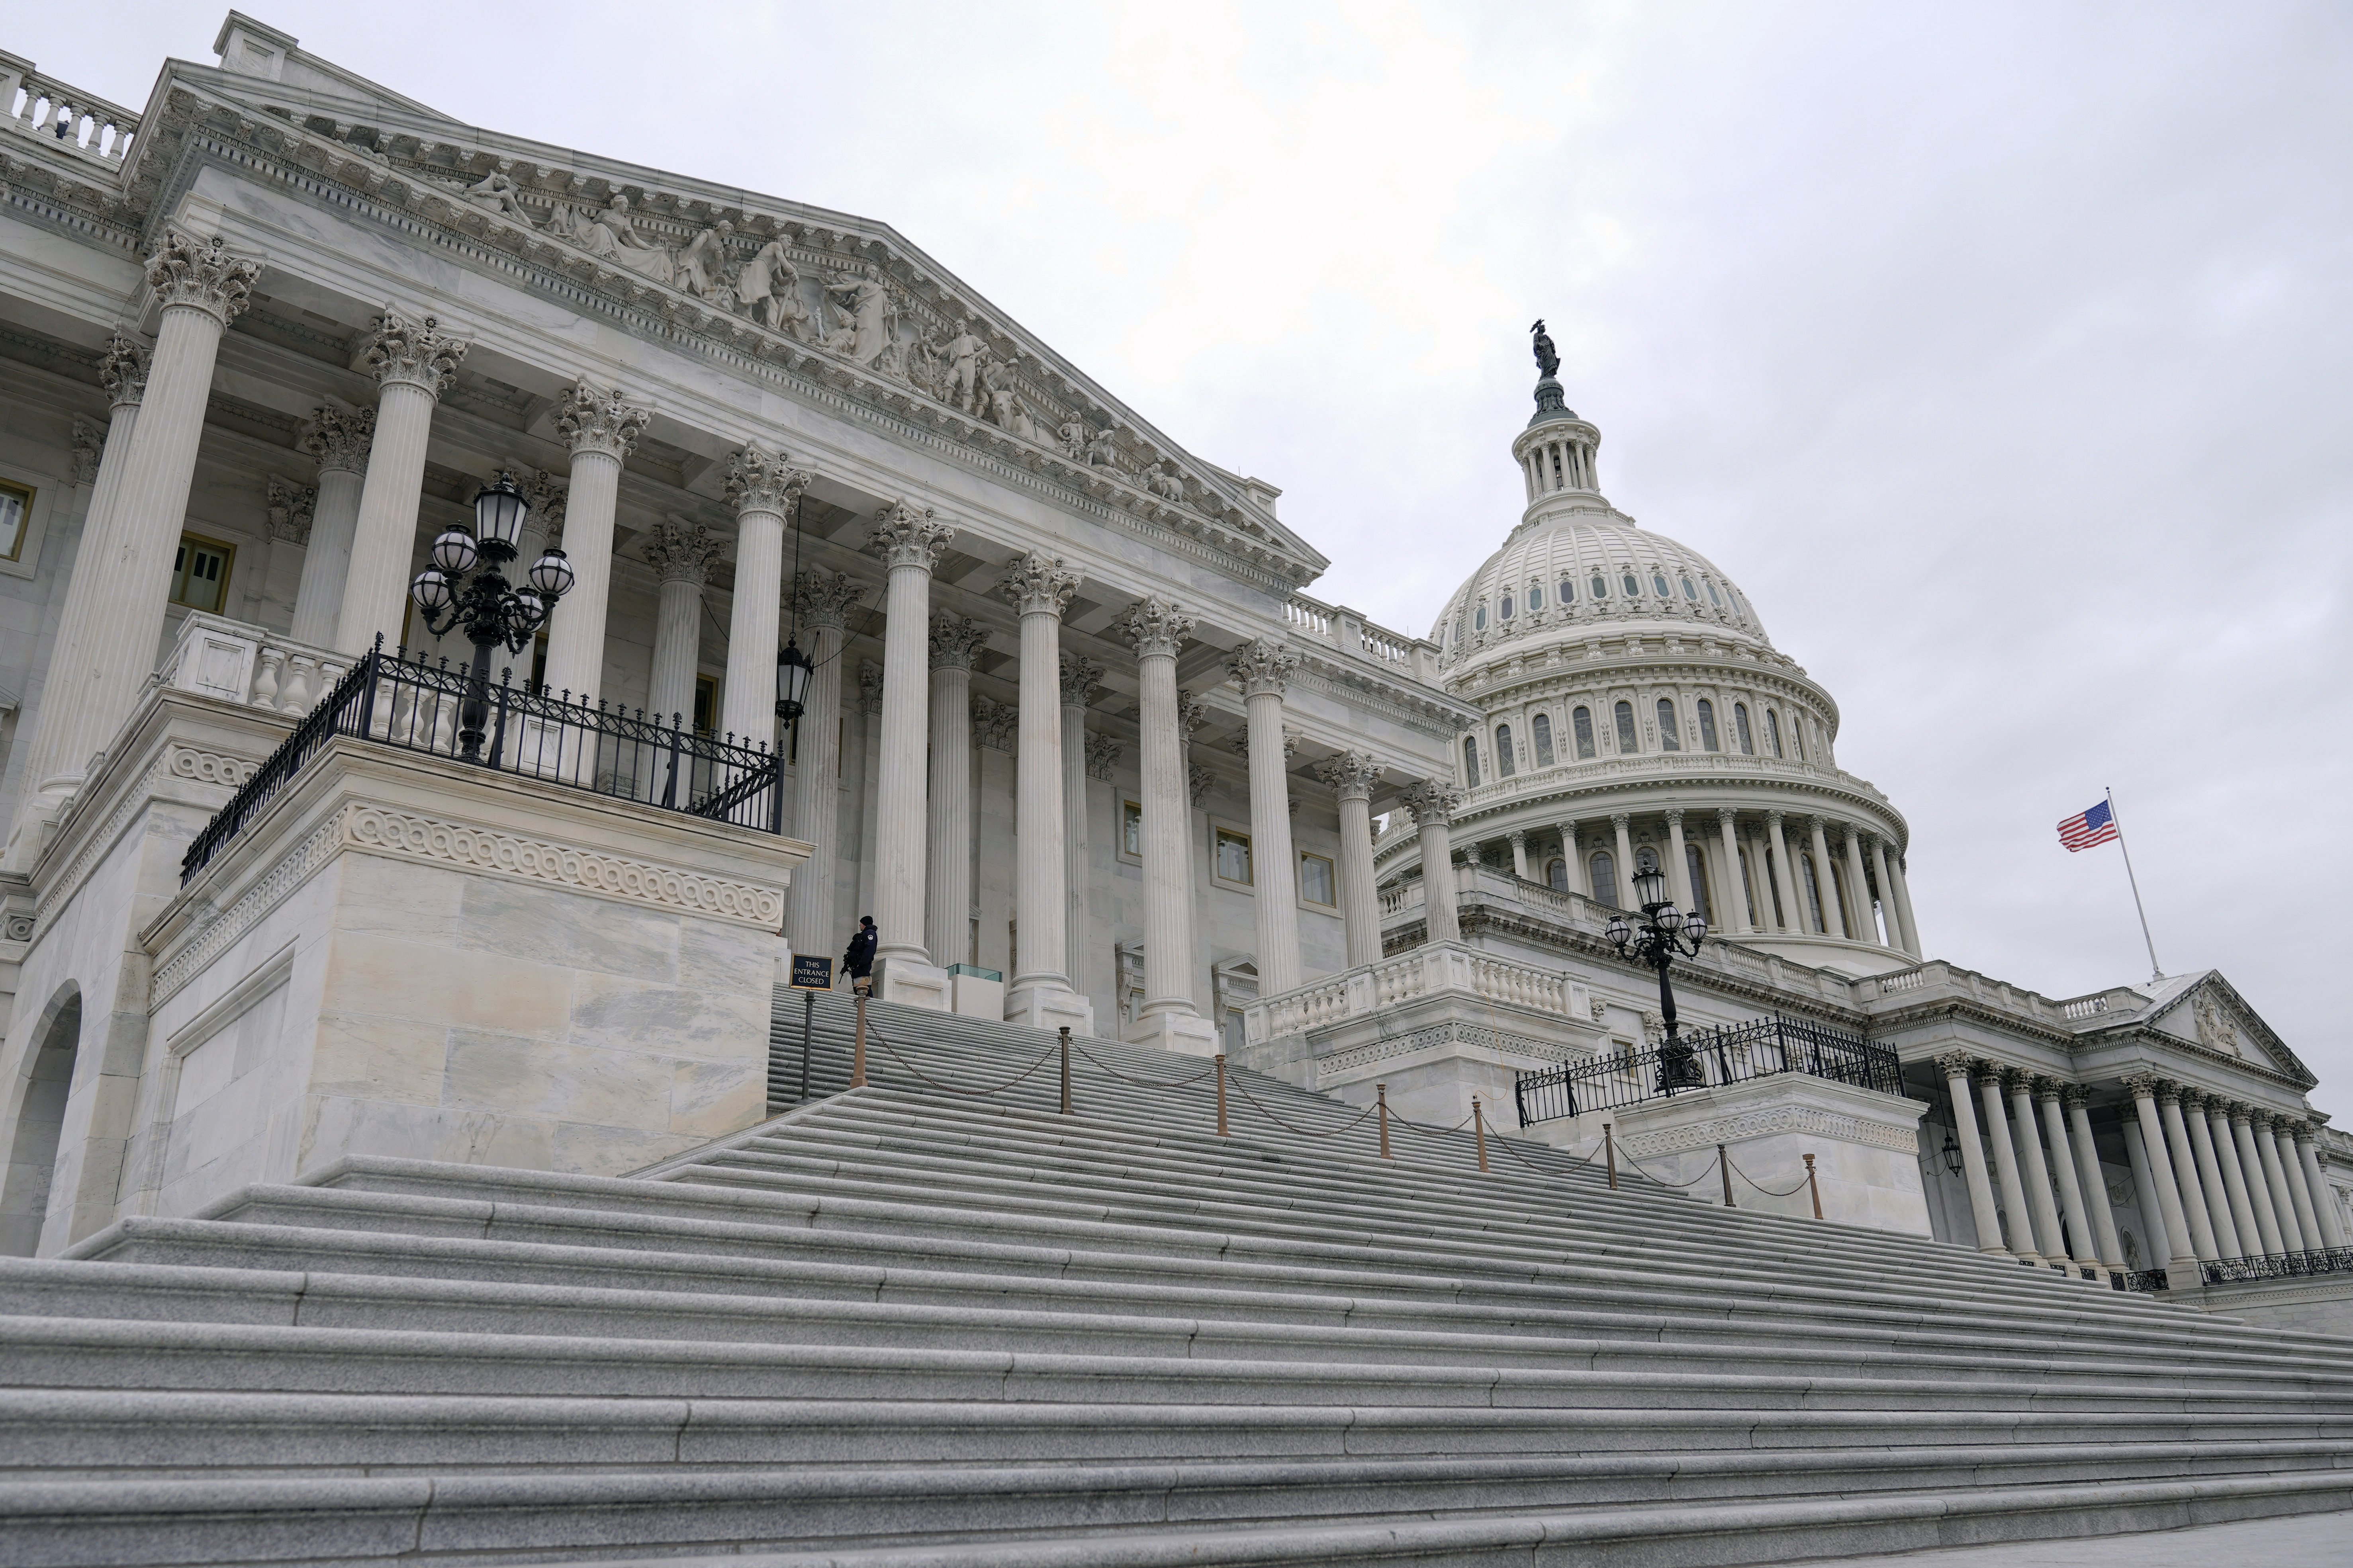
column 1659, row 581
column 1535, row 595
column 1714, row 597
column 1568, row 590
column 1479, row 620
column 1600, row 586
column 1689, row 592
column 1503, row 610
column 1632, row 584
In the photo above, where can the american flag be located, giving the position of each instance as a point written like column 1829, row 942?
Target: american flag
column 2086, row 828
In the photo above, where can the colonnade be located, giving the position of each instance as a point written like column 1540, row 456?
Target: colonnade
column 2227, row 1180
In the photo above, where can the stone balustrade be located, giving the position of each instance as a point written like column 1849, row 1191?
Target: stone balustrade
column 1414, row 658
column 65, row 117
column 1653, row 767
column 1908, row 987
column 251, row 666
column 1426, row 972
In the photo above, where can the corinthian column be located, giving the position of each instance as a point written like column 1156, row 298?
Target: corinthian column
column 338, row 439
column 1167, row 1017
column 2078, row 1102
column 1080, row 675
column 1826, row 884
column 1432, row 804
column 1351, row 776
column 1736, row 885
column 2290, row 1228
column 2216, row 1116
column 1261, row 669
column 820, row 602
column 2324, row 1206
column 2032, row 1170
column 909, row 542
column 202, row 289
column 2180, row 1246
column 1041, row 995
column 947, row 898
column 1957, row 1067
column 2308, row 1212
column 2185, row 1172
column 414, row 364
column 1904, row 904
column 1793, row 902
column 1858, row 888
column 1988, row 1077
column 603, row 430
column 1678, row 867
column 2209, row 1177
column 60, row 745
column 2259, row 1192
column 680, row 556
column 1894, row 921
column 765, row 494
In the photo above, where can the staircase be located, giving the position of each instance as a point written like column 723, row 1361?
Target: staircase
column 903, row 1324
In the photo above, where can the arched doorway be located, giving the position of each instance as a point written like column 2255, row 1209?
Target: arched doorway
column 32, row 1153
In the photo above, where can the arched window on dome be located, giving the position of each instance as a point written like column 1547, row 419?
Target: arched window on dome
column 1689, row 592
column 1505, row 765
column 1695, row 862
column 1581, row 721
column 1670, row 738
column 1659, row 581
column 1540, row 728
column 1708, row 726
column 1773, row 731
column 1470, row 762
column 1713, row 596
column 1557, row 482
column 1740, row 726
column 1604, row 866
column 1536, row 596
column 1600, row 586
column 1627, row 744
column 1567, row 591
column 1503, row 610
column 1813, row 894
column 1631, row 583
column 1556, row 874
column 1797, row 735
column 1479, row 621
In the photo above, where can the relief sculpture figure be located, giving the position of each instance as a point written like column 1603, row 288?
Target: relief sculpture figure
column 867, row 311
column 703, row 264
column 496, row 193
column 964, row 354
column 769, row 287
column 610, row 235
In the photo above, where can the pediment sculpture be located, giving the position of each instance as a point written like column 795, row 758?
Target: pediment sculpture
column 2216, row 1031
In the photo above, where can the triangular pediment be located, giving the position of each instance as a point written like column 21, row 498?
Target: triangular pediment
column 2212, row 1014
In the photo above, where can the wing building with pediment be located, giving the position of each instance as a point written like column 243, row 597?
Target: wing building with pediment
column 476, row 611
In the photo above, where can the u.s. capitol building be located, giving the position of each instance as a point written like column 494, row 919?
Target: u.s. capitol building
column 470, row 610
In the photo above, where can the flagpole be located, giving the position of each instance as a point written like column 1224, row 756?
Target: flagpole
column 2155, row 974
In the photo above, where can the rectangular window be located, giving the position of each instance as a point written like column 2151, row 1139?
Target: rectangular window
column 1315, row 884
column 1130, row 829
column 200, row 572
column 15, row 516
column 1232, row 862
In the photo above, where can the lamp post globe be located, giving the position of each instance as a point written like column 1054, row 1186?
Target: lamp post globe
column 1663, row 934
column 494, row 614
column 793, row 672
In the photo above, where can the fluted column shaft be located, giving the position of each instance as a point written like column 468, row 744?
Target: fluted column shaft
column 2227, row 1240
column 1580, row 876
column 1080, row 675
column 1432, row 804
column 2035, row 1172
column 1351, row 776
column 2216, row 1113
column 1956, row 1070
column 2184, row 1160
column 1623, row 894
column 1157, row 629
column 1793, row 908
column 414, row 364
column 1826, row 885
column 2259, row 1192
column 1260, row 668
column 1520, row 854
column 2292, row 1234
column 1734, row 918
column 1039, row 587
column 1903, row 904
column 947, row 895
column 2022, row 1239
column 1860, row 925
column 603, row 431
column 681, row 558
column 1678, row 882
column 2180, row 1245
column 340, row 442
column 909, row 543
column 1894, row 921
column 203, row 288
column 2324, row 1206
column 2307, row 1215
column 822, row 598
column 2095, row 1186
column 2080, row 1231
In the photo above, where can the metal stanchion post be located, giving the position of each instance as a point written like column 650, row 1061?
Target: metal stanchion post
column 1479, row 1129
column 1221, row 1094
column 1066, row 1069
column 857, row 1052
column 1610, row 1150
column 1810, row 1187
column 1723, row 1169
column 808, row 1017
column 1382, row 1089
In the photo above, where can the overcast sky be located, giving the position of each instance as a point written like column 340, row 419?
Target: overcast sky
column 1999, row 351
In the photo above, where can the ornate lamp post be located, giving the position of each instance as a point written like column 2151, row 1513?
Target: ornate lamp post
column 1665, row 934
column 494, row 615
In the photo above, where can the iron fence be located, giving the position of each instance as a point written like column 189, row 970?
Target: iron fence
column 1708, row 1058
column 443, row 711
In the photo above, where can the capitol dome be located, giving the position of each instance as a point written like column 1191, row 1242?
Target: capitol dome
column 1636, row 716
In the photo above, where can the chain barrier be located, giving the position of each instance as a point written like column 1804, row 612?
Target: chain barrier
column 876, row 1036
column 1765, row 1192
column 1143, row 1083
column 1286, row 1126
column 1637, row 1164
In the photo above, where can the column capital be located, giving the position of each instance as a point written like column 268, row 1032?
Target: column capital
column 407, row 352
column 2016, row 1080
column 2301, row 1131
column 2192, row 1099
column 1818, row 822
column 1081, row 676
column 1983, row 1072
column 1103, row 755
column 2140, row 1085
column 823, row 598
column 550, row 497
column 758, row 480
column 1774, row 818
column 338, row 439
column 682, row 552
column 1621, row 818
column 906, row 536
column 289, row 510
column 1038, row 585
column 1199, row 780
column 1674, row 815
column 996, row 725
column 1351, row 774
column 1726, row 818
column 1239, row 745
column 2047, row 1090
column 1261, row 667
column 954, row 640
column 1155, row 626
column 1956, row 1063
column 122, row 370
column 1519, row 837
column 200, row 274
column 1191, row 713
column 2074, row 1096
column 89, row 447
column 2240, row 1112
column 594, row 421
column 1432, row 804
column 2168, row 1092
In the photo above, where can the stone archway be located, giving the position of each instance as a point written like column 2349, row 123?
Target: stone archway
column 40, row 1117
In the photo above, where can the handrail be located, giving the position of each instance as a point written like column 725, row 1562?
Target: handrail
column 1709, row 1058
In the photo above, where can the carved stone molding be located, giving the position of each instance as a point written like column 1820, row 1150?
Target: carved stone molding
column 1803, row 1120
column 89, row 447
column 1433, row 805
column 289, row 509
column 2140, row 1085
column 1103, row 756
column 908, row 535
column 2047, row 1090
column 1199, row 782
column 1241, row 744
column 870, row 689
column 823, row 598
column 1080, row 677
column 1156, row 626
column 201, row 275
column 1351, row 774
column 549, row 497
column 1261, row 667
column 996, row 725
column 594, row 421
column 1038, row 585
column 122, row 370
column 338, row 438
column 682, row 552
column 2074, row 1096
column 759, row 481
column 401, row 352
column 954, row 640
column 209, row 767
column 1191, row 713
column 1417, row 1040
column 1956, row 1063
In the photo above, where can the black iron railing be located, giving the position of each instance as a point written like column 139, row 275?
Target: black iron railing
column 1708, row 1058
column 443, row 711
column 2242, row 1270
